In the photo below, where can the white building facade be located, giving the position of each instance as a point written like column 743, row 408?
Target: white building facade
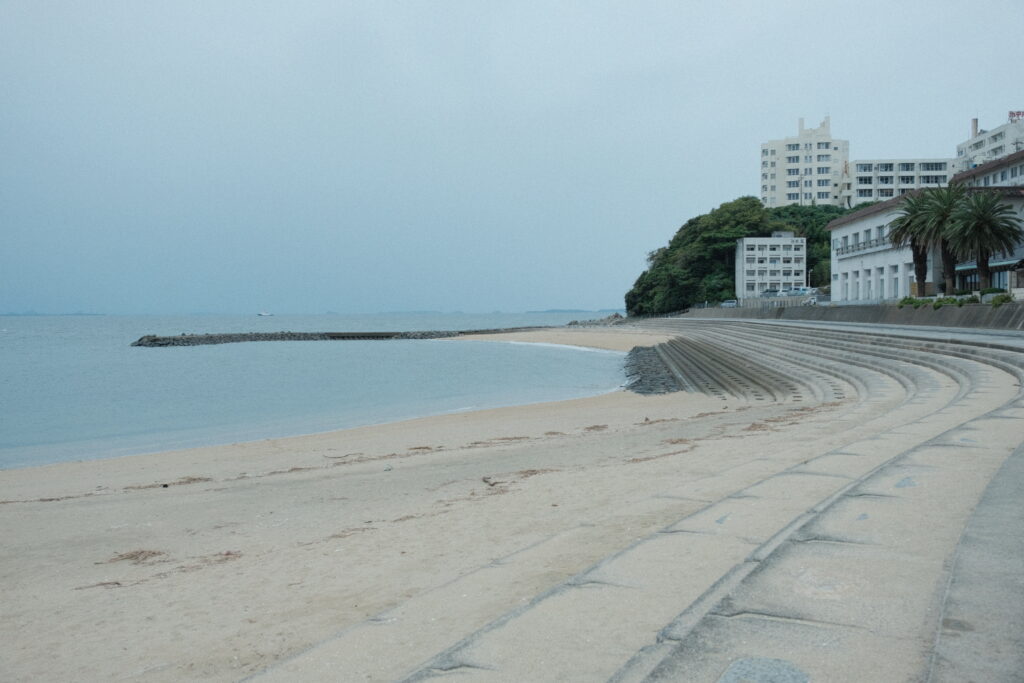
column 778, row 262
column 872, row 180
column 989, row 145
column 866, row 268
column 1006, row 176
column 805, row 169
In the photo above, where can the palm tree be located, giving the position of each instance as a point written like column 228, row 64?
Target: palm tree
column 982, row 226
column 909, row 229
column 940, row 203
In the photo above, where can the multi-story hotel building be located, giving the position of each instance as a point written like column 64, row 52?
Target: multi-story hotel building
column 988, row 145
column 873, row 180
column 778, row 262
column 867, row 268
column 805, row 169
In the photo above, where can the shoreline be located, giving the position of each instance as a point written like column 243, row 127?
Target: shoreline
column 194, row 438
column 600, row 339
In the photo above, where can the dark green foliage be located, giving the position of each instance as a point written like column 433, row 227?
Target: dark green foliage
column 698, row 264
column 992, row 290
column 1000, row 299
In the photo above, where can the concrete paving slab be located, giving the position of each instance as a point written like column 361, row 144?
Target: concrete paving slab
column 723, row 647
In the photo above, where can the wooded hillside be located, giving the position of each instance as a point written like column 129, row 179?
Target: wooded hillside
column 698, row 264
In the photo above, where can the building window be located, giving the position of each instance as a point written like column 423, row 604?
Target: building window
column 865, row 180
column 864, row 193
column 824, row 157
column 792, row 160
column 824, row 145
column 997, row 137
column 863, row 168
column 808, row 171
column 823, row 170
column 906, row 180
column 808, row 183
column 823, row 195
column 883, row 168
column 885, row 180
column 792, row 183
column 885, row 192
column 907, row 167
column 822, row 182
column 764, row 176
column 773, row 152
column 808, row 195
column 764, row 164
column 808, row 159
column 1013, row 171
column 933, row 166
column 1002, row 175
column 764, row 152
column 792, row 171
column 792, row 147
column 773, row 164
column 933, row 180
column 792, row 196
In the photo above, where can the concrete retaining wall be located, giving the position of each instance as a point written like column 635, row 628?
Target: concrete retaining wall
column 1005, row 317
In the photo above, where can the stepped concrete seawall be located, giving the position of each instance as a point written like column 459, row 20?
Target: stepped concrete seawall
column 1005, row 317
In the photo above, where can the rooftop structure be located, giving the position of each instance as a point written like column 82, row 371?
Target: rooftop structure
column 988, row 145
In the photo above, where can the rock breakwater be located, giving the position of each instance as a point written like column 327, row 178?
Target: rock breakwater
column 152, row 340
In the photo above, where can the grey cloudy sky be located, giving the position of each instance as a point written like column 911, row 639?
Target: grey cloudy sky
column 307, row 156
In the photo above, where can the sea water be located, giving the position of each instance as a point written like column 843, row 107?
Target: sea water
column 73, row 387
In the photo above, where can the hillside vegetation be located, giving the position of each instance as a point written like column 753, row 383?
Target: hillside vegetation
column 698, row 264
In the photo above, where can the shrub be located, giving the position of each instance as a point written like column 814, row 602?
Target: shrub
column 971, row 300
column 939, row 303
column 1000, row 299
column 993, row 290
column 963, row 292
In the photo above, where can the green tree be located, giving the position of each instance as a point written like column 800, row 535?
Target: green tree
column 909, row 228
column 981, row 226
column 940, row 203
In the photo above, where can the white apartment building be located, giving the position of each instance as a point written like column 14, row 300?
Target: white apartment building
column 805, row 169
column 866, row 268
column 777, row 262
column 873, row 180
column 988, row 145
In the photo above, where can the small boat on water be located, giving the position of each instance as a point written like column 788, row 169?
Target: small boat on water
column 264, row 314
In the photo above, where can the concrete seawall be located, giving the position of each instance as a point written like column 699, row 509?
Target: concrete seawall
column 1005, row 317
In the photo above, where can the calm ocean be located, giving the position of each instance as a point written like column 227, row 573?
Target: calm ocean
column 72, row 387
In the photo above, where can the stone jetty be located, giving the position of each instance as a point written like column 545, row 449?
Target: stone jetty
column 152, row 340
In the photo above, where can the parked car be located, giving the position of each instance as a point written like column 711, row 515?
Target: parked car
column 770, row 292
column 728, row 303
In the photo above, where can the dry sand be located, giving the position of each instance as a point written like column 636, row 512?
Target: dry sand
column 224, row 562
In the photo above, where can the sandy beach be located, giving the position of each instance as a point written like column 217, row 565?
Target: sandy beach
column 525, row 543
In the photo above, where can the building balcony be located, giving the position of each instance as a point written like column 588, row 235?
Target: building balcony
column 876, row 244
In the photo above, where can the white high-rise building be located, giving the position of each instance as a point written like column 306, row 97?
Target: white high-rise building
column 805, row 169
column 988, row 145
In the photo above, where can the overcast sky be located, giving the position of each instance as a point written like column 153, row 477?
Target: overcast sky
column 313, row 155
